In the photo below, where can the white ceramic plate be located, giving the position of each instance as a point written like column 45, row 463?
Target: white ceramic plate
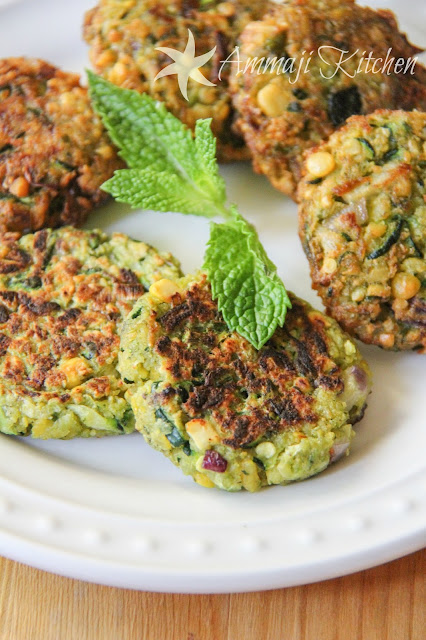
column 114, row 511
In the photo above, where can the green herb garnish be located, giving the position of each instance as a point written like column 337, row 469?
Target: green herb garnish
column 170, row 170
column 250, row 295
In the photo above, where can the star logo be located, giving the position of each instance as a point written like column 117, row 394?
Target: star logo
column 186, row 65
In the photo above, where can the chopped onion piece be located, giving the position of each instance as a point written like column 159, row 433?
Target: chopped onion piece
column 338, row 451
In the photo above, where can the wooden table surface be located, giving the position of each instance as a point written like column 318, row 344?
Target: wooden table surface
column 386, row 603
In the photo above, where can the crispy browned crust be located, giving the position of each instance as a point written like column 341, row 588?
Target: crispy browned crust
column 310, row 114
column 38, row 331
column 124, row 41
column 215, row 371
column 63, row 296
column 54, row 152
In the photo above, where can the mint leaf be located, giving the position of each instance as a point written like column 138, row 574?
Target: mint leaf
column 146, row 134
column 250, row 295
column 160, row 191
column 152, row 139
column 205, row 149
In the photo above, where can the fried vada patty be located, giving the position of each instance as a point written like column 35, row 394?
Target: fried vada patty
column 63, row 297
column 54, row 152
column 124, row 36
column 231, row 416
column 363, row 227
column 285, row 108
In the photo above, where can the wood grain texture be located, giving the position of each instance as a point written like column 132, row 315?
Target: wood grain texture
column 386, row 603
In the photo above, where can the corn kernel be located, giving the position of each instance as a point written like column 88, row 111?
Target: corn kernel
column 105, row 59
column 20, row 187
column 75, row 370
column 105, row 151
column 119, row 73
column 387, row 340
column 327, row 200
column 376, row 229
column 249, row 475
column 114, row 36
column 358, row 294
column 164, row 289
column 203, row 480
column 265, row 450
column 272, row 101
column 329, row 266
column 320, row 164
column 405, row 286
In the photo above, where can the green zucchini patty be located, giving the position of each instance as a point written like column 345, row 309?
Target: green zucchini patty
column 363, row 227
column 284, row 111
column 63, row 297
column 227, row 414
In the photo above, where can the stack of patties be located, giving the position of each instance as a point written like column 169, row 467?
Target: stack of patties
column 303, row 71
column 63, row 297
column 99, row 334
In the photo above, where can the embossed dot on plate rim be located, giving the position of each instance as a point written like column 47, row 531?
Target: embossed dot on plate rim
column 197, row 547
column 141, row 544
column 251, row 543
column 308, row 536
column 94, row 536
column 357, row 523
column 44, row 524
column 402, row 505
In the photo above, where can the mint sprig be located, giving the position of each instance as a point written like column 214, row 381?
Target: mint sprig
column 155, row 143
column 170, row 170
column 250, row 295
